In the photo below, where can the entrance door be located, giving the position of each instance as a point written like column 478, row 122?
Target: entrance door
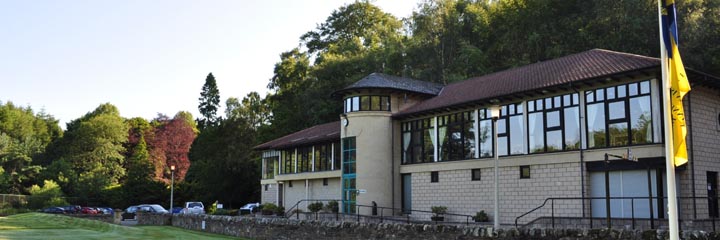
column 406, row 193
column 712, row 193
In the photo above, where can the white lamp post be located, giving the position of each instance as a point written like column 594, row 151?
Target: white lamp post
column 495, row 114
column 172, row 186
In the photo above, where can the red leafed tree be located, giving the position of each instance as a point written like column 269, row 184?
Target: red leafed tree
column 170, row 143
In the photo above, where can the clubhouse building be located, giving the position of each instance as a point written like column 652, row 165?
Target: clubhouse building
column 410, row 145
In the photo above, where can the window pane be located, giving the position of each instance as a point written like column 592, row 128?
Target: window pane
column 347, row 105
column 539, row 104
column 572, row 128
column 501, row 126
column 385, row 103
column 556, row 102
column 428, row 139
column 633, row 87
column 519, row 108
column 641, row 120
column 589, row 96
column 548, row 103
column 553, row 119
column 469, row 136
column 566, row 100
column 611, row 93
column 355, row 104
column 486, row 138
column 617, row 110
column 645, row 87
column 618, row 134
column 442, row 144
column 596, row 125
column 517, row 135
column 576, row 99
column 535, row 131
column 365, row 103
column 622, row 91
column 554, row 140
column 502, row 146
column 600, row 94
column 375, row 103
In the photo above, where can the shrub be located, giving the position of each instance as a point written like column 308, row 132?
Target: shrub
column 438, row 210
column 315, row 207
column 225, row 212
column 332, row 206
column 45, row 196
column 481, row 216
column 268, row 208
column 280, row 211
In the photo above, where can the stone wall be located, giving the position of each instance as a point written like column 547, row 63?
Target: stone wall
column 461, row 195
column 281, row 228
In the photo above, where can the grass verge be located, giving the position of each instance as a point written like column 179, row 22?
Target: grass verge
column 49, row 226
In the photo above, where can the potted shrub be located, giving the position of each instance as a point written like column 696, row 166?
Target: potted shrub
column 315, row 208
column 280, row 211
column 481, row 216
column 332, row 206
column 268, row 209
column 438, row 213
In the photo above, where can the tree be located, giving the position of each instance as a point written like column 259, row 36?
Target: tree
column 90, row 154
column 170, row 143
column 23, row 139
column 253, row 108
column 209, row 102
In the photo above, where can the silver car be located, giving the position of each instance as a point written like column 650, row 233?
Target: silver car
column 194, row 208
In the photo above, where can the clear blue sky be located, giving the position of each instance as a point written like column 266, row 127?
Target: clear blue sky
column 148, row 56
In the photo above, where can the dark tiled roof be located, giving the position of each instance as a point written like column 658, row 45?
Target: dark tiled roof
column 379, row 80
column 315, row 134
column 590, row 64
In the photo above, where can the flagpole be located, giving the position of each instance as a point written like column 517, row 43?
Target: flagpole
column 667, row 127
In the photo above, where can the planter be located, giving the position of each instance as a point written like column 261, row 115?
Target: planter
column 437, row 218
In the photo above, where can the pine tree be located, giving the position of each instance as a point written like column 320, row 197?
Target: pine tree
column 209, row 102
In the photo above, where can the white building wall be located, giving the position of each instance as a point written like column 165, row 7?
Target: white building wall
column 269, row 195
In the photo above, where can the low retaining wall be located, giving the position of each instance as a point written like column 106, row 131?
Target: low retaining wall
column 281, row 228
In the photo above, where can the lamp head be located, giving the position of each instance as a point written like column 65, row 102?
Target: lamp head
column 495, row 111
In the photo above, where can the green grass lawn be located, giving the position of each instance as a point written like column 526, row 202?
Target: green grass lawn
column 48, row 226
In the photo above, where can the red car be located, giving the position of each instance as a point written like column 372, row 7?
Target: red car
column 88, row 210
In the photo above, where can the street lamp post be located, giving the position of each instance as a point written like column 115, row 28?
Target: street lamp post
column 495, row 113
column 172, row 185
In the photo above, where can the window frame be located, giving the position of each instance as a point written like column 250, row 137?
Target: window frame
column 476, row 177
column 559, row 104
column 522, row 173
column 434, row 177
column 350, row 103
column 605, row 101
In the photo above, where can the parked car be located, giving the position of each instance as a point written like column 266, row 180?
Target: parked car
column 153, row 208
column 54, row 210
column 88, row 210
column 249, row 208
column 105, row 210
column 193, row 208
column 129, row 212
column 176, row 210
column 72, row 209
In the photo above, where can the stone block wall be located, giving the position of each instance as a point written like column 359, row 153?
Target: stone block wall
column 281, row 228
column 461, row 195
column 702, row 106
column 270, row 194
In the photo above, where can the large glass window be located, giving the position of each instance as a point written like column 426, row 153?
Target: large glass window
column 367, row 103
column 553, row 124
column 304, row 157
column 619, row 115
column 456, row 134
column 323, row 156
column 485, row 134
column 336, row 155
column 349, row 188
column 418, row 138
column 270, row 169
column 288, row 161
column 511, row 130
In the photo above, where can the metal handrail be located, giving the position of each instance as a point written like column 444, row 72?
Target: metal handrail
column 632, row 208
column 382, row 216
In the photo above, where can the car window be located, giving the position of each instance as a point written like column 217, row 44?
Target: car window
column 192, row 205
